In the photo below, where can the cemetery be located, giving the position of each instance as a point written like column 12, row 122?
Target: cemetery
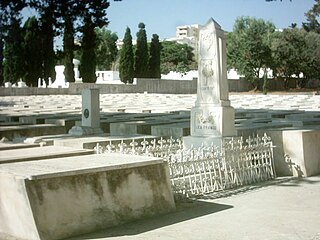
column 73, row 164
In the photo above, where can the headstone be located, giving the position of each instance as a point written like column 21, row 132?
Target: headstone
column 90, row 114
column 21, row 84
column 76, row 64
column 7, row 84
column 212, row 117
column 60, row 81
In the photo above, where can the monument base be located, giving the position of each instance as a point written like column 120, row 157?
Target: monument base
column 204, row 141
column 196, row 142
column 84, row 131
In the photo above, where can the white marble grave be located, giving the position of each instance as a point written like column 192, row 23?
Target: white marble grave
column 212, row 117
column 60, row 81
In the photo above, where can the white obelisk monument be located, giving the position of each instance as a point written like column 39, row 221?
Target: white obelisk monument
column 212, row 117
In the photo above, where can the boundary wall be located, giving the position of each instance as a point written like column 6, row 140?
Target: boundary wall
column 142, row 85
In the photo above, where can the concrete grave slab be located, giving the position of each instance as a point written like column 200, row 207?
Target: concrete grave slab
column 64, row 197
column 11, row 132
column 40, row 153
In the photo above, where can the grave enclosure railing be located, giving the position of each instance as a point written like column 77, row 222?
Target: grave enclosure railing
column 204, row 170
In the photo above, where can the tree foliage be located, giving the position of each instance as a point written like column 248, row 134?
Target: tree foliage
column 298, row 53
column 313, row 15
column 154, row 60
column 289, row 53
column 177, row 57
column 48, row 12
column 9, row 16
column 94, row 15
column 68, row 47
column 13, row 53
column 88, row 57
column 249, row 47
column 141, row 62
column 312, row 41
column 126, row 67
column 106, row 48
column 32, row 52
column 68, row 14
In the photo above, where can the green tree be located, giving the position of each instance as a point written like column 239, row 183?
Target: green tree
column 141, row 53
column 94, row 15
column 313, row 15
column 154, row 61
column 68, row 11
column 312, row 55
column 249, row 47
column 9, row 13
column 289, row 53
column 68, row 47
column 177, row 57
column 106, row 48
column 13, row 53
column 32, row 53
column 88, row 57
column 48, row 12
column 126, row 67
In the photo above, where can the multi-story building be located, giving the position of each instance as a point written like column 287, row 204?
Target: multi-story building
column 187, row 34
column 187, row 31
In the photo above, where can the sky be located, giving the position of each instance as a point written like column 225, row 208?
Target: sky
column 163, row 16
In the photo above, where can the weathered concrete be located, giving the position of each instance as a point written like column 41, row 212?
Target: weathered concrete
column 91, row 142
column 59, row 198
column 176, row 130
column 282, row 210
column 40, row 153
column 296, row 151
column 11, row 132
column 303, row 150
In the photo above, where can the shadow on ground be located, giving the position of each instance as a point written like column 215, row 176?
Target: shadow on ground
column 281, row 181
column 186, row 210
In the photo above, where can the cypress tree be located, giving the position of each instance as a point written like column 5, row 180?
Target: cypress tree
column 126, row 69
column 94, row 15
column 141, row 54
column 48, row 33
column 9, row 14
column 88, row 58
column 154, row 61
column 68, row 46
column 13, row 53
column 1, row 56
column 68, row 10
column 33, row 58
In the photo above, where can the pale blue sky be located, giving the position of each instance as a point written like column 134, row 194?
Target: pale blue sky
column 162, row 16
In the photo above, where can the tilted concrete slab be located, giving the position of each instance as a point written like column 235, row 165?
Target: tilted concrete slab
column 12, row 132
column 40, row 153
column 59, row 198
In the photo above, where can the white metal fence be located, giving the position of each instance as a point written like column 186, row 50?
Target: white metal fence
column 205, row 170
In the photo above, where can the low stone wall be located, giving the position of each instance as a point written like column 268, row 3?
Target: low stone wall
column 32, row 91
column 64, row 197
column 143, row 85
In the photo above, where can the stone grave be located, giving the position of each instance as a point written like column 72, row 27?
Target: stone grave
column 212, row 117
column 90, row 114
column 64, row 197
column 46, row 152
column 272, row 113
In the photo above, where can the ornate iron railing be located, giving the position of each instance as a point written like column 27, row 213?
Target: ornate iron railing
column 205, row 170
